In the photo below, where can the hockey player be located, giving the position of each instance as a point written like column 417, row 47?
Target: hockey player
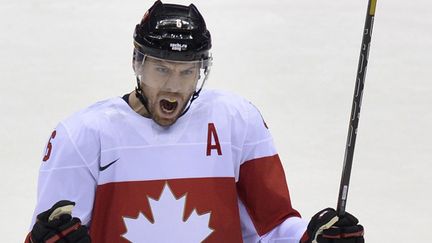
column 162, row 165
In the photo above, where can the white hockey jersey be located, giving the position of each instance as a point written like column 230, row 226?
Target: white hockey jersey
column 213, row 176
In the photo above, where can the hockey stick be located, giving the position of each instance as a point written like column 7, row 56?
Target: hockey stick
column 355, row 110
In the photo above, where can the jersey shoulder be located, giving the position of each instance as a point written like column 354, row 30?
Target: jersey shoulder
column 225, row 101
column 94, row 118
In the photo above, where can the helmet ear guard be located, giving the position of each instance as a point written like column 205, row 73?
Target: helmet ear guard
column 136, row 57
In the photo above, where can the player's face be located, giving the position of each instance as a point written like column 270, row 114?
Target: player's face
column 168, row 86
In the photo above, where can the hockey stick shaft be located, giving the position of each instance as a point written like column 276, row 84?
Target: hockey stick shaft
column 355, row 110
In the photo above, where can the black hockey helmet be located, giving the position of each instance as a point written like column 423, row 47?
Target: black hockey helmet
column 174, row 32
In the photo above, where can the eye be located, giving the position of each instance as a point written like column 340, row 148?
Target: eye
column 187, row 72
column 162, row 70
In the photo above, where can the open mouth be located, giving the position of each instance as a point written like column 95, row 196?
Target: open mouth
column 168, row 105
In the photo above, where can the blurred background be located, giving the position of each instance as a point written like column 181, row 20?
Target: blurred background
column 295, row 60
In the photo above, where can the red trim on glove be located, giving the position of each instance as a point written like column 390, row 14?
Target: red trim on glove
column 304, row 238
column 62, row 234
column 28, row 238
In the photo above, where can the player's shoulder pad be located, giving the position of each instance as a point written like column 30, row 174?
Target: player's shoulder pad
column 230, row 102
column 85, row 127
column 93, row 118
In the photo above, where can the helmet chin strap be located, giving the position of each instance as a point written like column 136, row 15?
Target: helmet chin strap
column 196, row 93
column 141, row 97
column 194, row 96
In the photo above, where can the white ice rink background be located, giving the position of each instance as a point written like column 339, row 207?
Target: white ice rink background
column 295, row 60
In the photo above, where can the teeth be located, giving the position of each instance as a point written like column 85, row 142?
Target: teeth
column 172, row 100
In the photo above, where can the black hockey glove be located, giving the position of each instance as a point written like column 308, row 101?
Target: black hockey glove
column 57, row 225
column 327, row 227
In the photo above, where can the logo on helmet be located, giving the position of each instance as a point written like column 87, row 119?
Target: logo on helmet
column 179, row 23
column 178, row 47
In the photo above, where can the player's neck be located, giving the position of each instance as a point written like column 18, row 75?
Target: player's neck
column 137, row 106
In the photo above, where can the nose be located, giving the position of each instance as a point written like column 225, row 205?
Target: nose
column 173, row 83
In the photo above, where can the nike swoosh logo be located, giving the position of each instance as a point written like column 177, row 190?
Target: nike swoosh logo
column 102, row 168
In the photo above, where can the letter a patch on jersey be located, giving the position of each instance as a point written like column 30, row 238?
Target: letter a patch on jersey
column 212, row 136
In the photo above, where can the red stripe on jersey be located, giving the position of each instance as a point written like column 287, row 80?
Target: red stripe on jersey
column 263, row 189
column 127, row 199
